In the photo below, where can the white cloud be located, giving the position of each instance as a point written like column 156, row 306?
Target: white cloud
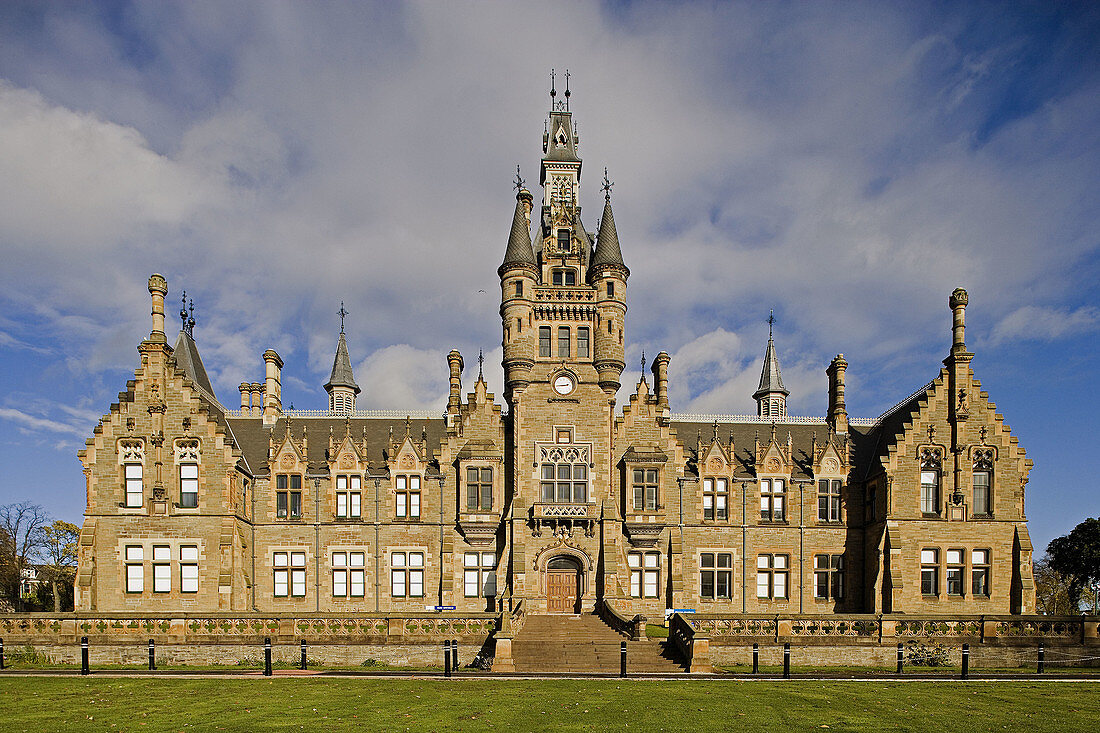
column 33, row 423
column 1044, row 323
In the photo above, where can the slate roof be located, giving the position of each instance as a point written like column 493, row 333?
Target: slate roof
column 566, row 153
column 341, row 368
column 253, row 438
column 770, row 378
column 186, row 356
column 519, row 250
column 744, row 439
column 607, row 243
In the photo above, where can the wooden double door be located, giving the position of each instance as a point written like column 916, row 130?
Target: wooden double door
column 563, row 585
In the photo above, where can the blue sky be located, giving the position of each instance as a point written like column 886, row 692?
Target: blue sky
column 845, row 164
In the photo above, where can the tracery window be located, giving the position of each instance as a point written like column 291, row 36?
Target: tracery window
column 983, row 483
column 564, row 474
column 931, row 464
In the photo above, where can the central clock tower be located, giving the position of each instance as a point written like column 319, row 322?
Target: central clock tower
column 563, row 311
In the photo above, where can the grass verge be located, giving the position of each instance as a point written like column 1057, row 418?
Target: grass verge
column 50, row 704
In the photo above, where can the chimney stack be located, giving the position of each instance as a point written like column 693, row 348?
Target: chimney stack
column 273, row 405
column 957, row 303
column 838, row 415
column 158, row 288
column 660, row 380
column 454, row 361
column 246, row 399
column 257, row 391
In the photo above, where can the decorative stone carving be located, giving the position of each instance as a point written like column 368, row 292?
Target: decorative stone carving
column 132, row 451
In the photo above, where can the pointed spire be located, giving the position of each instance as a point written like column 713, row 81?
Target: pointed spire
column 520, row 252
column 607, row 243
column 771, row 381
column 341, row 368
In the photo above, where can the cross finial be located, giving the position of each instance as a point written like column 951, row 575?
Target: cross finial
column 553, row 90
column 190, row 327
column 480, row 364
column 642, row 365
column 342, row 313
column 567, row 90
column 183, row 311
column 771, row 322
column 519, row 180
column 607, row 184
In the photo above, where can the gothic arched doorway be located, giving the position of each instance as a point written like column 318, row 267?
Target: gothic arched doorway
column 564, row 584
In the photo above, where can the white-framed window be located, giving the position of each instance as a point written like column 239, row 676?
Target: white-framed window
column 349, row 574
column 162, row 568
column 979, row 572
column 189, row 485
column 930, row 571
column 290, row 573
column 134, row 486
column 645, row 574
column 479, row 489
column 829, row 577
column 716, row 499
column 982, row 492
column 956, row 571
column 349, row 497
column 930, row 465
column 773, row 500
column 716, row 575
column 828, row 500
column 407, row 497
column 772, row 576
column 135, row 568
column 645, row 489
column 189, row 569
column 407, row 574
column 478, row 576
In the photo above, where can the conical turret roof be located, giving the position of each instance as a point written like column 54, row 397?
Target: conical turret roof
column 341, row 369
column 519, row 250
column 771, row 381
column 607, row 243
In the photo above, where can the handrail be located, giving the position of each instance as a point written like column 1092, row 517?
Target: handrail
column 693, row 646
column 631, row 627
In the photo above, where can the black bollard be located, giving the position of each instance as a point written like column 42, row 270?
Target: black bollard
column 446, row 658
column 901, row 658
column 755, row 658
column 302, row 664
column 267, row 656
column 1042, row 659
column 84, row 655
column 787, row 660
column 1, row 653
column 152, row 656
column 966, row 662
column 454, row 655
column 622, row 659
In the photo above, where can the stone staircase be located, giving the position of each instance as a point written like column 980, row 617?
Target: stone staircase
column 566, row 644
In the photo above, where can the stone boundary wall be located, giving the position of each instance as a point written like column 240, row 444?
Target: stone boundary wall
column 41, row 629
column 871, row 640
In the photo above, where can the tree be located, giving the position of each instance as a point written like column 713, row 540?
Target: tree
column 1052, row 590
column 21, row 528
column 1077, row 556
column 58, row 555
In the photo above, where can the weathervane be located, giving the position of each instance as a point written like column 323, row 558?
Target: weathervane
column 607, row 184
column 480, row 365
column 771, row 322
column 567, row 90
column 641, row 370
column 519, row 180
column 187, row 322
column 342, row 313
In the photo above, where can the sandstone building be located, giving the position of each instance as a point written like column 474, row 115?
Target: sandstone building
column 563, row 498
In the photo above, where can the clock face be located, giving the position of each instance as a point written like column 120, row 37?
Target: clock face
column 563, row 384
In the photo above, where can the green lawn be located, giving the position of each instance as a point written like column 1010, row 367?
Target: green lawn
column 334, row 704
